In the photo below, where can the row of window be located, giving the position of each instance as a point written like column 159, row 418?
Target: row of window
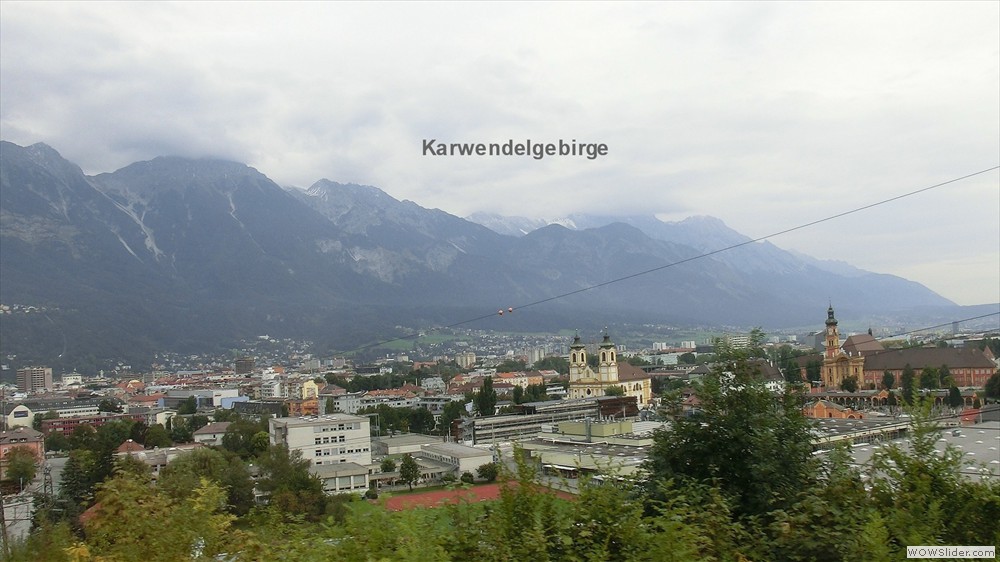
column 340, row 451
column 340, row 427
column 331, row 439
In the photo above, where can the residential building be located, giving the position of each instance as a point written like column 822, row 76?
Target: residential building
column 466, row 359
column 244, row 365
column 157, row 458
column 212, row 433
column 34, row 379
column 20, row 437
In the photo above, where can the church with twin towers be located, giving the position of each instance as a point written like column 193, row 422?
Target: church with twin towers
column 585, row 382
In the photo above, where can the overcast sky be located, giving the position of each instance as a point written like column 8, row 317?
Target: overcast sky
column 765, row 115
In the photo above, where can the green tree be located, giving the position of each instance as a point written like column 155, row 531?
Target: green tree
column 111, row 406
column 755, row 446
column 188, row 406
column 790, row 369
column 239, row 437
column 467, row 478
column 157, row 436
column 84, row 436
column 486, row 399
column 179, row 430
column 608, row 523
column 535, row 393
column 849, row 384
column 135, row 522
column 452, row 411
column 420, row 420
column 755, row 349
column 22, row 465
column 944, row 377
column 286, row 478
column 955, row 397
column 814, row 370
column 992, row 389
column 197, row 421
column 488, row 471
column 56, row 441
column 79, row 477
column 183, row 475
column 388, row 465
column 687, row 358
column 409, row 470
column 614, row 390
column 929, row 378
column 518, row 394
column 888, row 380
column 511, row 366
column 637, row 361
column 36, row 422
column 906, row 384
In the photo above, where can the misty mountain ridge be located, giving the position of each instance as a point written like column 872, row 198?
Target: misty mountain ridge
column 177, row 253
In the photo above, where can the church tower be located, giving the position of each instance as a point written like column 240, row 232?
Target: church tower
column 832, row 335
column 607, row 364
column 577, row 359
column 838, row 366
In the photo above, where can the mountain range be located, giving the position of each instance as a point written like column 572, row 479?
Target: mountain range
column 187, row 254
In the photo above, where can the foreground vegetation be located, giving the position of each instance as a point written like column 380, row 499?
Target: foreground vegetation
column 737, row 481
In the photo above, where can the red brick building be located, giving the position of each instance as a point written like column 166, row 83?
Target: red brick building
column 67, row 425
column 969, row 367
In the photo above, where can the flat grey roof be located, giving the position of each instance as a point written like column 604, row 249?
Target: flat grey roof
column 338, row 469
column 456, row 450
column 404, row 439
column 979, row 444
column 311, row 420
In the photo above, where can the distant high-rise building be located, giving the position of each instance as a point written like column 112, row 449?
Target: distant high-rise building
column 466, row 360
column 244, row 365
column 535, row 354
column 34, row 379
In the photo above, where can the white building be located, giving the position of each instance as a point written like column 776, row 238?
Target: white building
column 212, row 433
column 462, row 457
column 325, row 440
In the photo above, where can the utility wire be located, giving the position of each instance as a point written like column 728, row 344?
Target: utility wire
column 415, row 335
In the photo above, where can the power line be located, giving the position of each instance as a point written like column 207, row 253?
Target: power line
column 415, row 335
